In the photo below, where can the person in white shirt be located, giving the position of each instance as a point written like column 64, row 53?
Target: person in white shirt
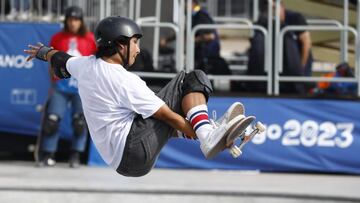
column 128, row 122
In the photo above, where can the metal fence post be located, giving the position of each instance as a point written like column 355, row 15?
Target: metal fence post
column 188, row 35
column 255, row 10
column 344, row 34
column 277, row 49
column 269, row 68
column 137, row 9
column 102, row 9
column 108, row 8
column 156, row 35
column 131, row 9
column 2, row 10
column 181, row 36
column 357, row 71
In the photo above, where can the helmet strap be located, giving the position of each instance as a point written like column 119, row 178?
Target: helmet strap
column 128, row 54
column 123, row 58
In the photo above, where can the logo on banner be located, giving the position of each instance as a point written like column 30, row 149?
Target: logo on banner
column 15, row 61
column 23, row 96
column 309, row 134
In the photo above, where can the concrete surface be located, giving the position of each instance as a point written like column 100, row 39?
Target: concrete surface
column 22, row 182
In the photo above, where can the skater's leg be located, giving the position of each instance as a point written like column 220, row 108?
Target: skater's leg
column 186, row 95
column 191, row 100
column 148, row 136
column 196, row 91
column 195, row 108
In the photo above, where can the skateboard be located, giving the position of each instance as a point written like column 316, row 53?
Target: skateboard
column 240, row 132
column 42, row 110
column 232, row 133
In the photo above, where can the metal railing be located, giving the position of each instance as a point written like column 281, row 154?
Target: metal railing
column 344, row 47
column 53, row 10
column 268, row 46
column 154, row 21
column 324, row 22
column 332, row 25
column 178, row 40
column 344, row 35
column 279, row 58
column 358, row 45
column 190, row 55
column 232, row 20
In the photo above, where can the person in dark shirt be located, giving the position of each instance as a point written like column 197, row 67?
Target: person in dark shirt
column 297, row 58
column 207, row 40
column 303, row 38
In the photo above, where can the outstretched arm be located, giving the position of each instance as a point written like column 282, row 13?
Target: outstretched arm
column 56, row 58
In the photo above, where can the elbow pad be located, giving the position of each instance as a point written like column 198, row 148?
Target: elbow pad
column 58, row 64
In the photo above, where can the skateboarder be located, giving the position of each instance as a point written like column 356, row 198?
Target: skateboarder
column 129, row 123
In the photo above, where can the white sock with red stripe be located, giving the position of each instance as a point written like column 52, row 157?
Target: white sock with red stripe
column 199, row 120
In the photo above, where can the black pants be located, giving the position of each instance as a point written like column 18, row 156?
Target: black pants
column 148, row 136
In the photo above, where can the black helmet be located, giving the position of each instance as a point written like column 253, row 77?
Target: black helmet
column 74, row 11
column 114, row 28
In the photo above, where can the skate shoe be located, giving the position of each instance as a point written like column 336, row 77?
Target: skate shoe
column 234, row 110
column 216, row 140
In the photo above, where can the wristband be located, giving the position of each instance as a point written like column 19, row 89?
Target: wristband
column 42, row 53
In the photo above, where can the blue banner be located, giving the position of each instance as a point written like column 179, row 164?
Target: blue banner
column 302, row 135
column 24, row 85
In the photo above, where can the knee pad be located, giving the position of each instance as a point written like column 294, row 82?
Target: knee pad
column 197, row 81
column 78, row 124
column 51, row 124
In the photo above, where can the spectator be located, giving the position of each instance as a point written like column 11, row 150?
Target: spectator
column 207, row 44
column 19, row 10
column 77, row 41
column 297, row 49
column 52, row 8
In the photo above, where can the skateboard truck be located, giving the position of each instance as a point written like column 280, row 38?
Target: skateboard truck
column 236, row 151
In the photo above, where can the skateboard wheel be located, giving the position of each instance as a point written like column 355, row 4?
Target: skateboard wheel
column 260, row 126
column 235, row 152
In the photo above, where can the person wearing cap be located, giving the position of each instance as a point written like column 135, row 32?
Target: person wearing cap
column 130, row 124
column 76, row 40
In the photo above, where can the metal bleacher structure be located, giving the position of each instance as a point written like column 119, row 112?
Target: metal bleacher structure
column 242, row 21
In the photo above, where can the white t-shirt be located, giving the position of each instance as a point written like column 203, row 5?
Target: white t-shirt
column 111, row 97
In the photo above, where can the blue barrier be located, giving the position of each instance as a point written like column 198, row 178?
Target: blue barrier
column 24, row 85
column 301, row 135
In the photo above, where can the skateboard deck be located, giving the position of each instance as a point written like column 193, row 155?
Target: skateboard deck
column 239, row 130
column 40, row 134
column 232, row 132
